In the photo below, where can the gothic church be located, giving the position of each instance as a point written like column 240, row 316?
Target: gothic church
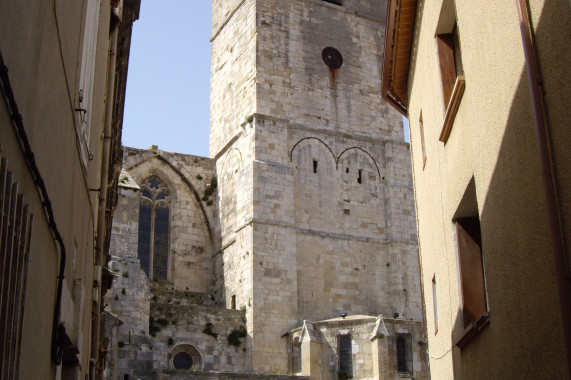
column 292, row 250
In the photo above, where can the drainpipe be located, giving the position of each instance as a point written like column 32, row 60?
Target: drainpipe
column 541, row 127
column 103, row 190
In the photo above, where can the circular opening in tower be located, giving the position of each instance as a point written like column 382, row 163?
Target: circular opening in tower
column 185, row 357
column 332, row 57
column 182, row 360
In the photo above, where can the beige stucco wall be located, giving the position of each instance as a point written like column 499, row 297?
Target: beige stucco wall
column 492, row 141
column 41, row 45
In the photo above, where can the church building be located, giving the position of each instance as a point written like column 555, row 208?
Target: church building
column 292, row 249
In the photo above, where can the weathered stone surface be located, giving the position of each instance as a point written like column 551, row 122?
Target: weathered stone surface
column 313, row 212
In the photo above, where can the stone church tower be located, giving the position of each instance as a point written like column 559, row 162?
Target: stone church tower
column 292, row 249
column 316, row 203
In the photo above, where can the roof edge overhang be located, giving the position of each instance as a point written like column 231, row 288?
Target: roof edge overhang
column 396, row 61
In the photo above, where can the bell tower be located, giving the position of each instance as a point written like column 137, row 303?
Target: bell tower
column 315, row 191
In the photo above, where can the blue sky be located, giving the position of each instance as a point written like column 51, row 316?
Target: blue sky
column 168, row 84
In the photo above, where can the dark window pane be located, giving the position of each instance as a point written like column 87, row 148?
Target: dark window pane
column 144, row 248
column 159, row 274
column 145, row 212
column 144, row 258
column 161, row 262
column 182, row 360
column 146, row 193
column 401, row 354
column 161, row 228
column 162, row 215
column 154, row 182
column 345, row 357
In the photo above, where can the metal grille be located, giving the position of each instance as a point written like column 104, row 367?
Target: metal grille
column 15, row 235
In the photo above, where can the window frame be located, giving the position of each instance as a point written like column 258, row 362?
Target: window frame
column 452, row 77
column 84, row 100
column 472, row 277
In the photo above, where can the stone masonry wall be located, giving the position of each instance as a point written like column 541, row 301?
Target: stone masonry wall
column 316, row 208
column 293, row 82
column 183, row 375
column 232, row 84
column 177, row 322
column 192, row 215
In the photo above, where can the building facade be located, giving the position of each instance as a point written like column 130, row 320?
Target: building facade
column 292, row 249
column 485, row 92
column 63, row 68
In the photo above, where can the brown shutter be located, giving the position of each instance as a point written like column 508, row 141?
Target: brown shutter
column 471, row 270
column 445, row 43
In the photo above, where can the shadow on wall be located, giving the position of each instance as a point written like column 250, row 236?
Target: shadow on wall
column 524, row 337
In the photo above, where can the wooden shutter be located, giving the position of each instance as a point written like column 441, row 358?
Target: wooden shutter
column 445, row 44
column 471, row 269
column 15, row 234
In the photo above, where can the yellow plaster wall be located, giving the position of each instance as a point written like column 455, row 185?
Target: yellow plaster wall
column 493, row 141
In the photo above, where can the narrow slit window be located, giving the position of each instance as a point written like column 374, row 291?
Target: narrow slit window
column 233, row 302
column 435, row 304
column 421, row 127
column 345, row 357
column 314, row 166
column 360, row 177
column 404, row 353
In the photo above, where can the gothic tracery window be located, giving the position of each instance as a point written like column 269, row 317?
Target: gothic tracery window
column 154, row 213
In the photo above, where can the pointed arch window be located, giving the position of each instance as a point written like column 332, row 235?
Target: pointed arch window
column 154, row 217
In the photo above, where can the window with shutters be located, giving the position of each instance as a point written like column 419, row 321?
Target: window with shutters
column 154, row 223
column 15, row 237
column 471, row 267
column 451, row 68
column 86, row 76
column 345, row 357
